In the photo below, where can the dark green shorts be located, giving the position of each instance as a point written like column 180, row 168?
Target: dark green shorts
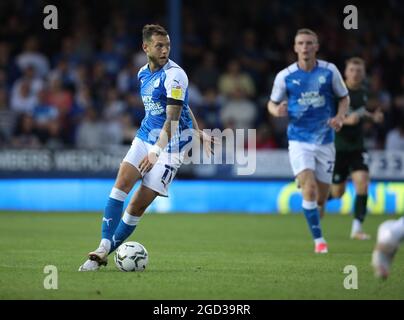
column 347, row 162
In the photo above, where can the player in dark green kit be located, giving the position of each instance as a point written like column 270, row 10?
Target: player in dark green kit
column 351, row 155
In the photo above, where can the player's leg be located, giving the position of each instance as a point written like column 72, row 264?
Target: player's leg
column 142, row 198
column 360, row 179
column 309, row 187
column 302, row 160
column 128, row 175
column 126, row 178
column 340, row 175
column 337, row 190
column 389, row 236
column 154, row 183
column 324, row 168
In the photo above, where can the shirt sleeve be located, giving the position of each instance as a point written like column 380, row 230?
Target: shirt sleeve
column 176, row 84
column 279, row 89
column 338, row 83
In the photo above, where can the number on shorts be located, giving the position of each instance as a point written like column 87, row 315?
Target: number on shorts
column 168, row 175
column 330, row 166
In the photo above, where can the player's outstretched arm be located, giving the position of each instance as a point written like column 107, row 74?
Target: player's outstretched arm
column 278, row 110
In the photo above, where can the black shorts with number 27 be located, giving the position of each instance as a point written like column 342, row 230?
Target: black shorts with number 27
column 347, row 162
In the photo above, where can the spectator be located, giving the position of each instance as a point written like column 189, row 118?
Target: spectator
column 251, row 58
column 235, row 80
column 206, row 76
column 111, row 60
column 112, row 118
column 60, row 97
column 25, row 90
column 44, row 116
column 31, row 56
column 238, row 112
column 90, row 131
column 23, row 99
column 62, row 73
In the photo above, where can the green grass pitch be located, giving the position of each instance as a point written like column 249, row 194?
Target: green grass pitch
column 192, row 256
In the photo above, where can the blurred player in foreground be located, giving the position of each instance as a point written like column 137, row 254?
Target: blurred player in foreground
column 158, row 149
column 310, row 87
column 389, row 236
column 351, row 155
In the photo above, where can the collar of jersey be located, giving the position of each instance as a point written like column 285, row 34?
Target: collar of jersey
column 300, row 69
column 152, row 72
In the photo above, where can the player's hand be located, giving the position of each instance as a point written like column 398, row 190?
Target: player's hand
column 336, row 123
column 147, row 163
column 352, row 119
column 282, row 109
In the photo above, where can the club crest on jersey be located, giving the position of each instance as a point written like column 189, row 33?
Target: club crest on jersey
column 156, row 83
column 321, row 79
column 176, row 92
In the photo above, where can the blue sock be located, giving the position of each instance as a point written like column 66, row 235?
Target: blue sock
column 112, row 213
column 125, row 228
column 313, row 218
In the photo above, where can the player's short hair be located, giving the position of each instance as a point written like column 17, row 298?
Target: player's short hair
column 153, row 29
column 355, row 60
column 306, row 31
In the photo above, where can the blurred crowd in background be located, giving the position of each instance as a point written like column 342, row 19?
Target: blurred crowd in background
column 77, row 86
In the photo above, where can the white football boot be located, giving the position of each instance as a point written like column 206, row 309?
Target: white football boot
column 96, row 259
column 89, row 265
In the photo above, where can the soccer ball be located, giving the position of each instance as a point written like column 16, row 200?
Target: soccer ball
column 131, row 256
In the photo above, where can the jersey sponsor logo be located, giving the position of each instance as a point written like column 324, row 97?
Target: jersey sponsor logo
column 176, row 92
column 312, row 98
column 153, row 107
